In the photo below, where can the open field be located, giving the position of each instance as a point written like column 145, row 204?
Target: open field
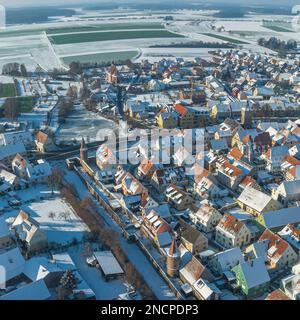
column 115, row 35
column 235, row 41
column 105, row 27
column 101, row 57
column 7, row 90
column 278, row 28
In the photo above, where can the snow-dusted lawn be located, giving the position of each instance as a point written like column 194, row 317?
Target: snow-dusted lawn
column 39, row 202
column 62, row 228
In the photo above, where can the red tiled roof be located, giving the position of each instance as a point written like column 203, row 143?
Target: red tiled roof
column 277, row 295
column 180, row 109
column 236, row 153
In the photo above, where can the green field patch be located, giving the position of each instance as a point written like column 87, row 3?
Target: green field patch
column 114, row 35
column 235, row 41
column 104, row 57
column 7, row 90
column 105, row 27
column 26, row 103
column 278, row 28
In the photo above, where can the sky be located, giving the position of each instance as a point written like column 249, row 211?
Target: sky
column 22, row 3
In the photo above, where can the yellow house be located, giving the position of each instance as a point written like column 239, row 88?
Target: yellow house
column 186, row 118
column 167, row 120
column 256, row 202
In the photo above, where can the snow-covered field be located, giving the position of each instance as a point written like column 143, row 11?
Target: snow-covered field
column 63, row 227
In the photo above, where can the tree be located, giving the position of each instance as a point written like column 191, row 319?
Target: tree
column 23, row 70
column 65, row 215
column 11, row 108
column 52, row 215
column 54, row 180
column 68, row 283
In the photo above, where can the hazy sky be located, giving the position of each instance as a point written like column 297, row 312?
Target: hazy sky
column 23, row 3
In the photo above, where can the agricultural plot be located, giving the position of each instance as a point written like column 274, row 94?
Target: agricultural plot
column 278, row 28
column 7, row 90
column 235, row 41
column 104, row 57
column 105, row 27
column 114, row 35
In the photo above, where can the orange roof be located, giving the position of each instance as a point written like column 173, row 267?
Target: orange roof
column 173, row 248
column 235, row 171
column 145, row 166
column 41, row 137
column 248, row 181
column 274, row 240
column 180, row 109
column 277, row 295
column 230, row 223
column 293, row 161
column 236, row 153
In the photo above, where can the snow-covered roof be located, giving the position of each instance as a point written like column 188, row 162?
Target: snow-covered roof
column 13, row 263
column 282, row 217
column 11, row 150
column 229, row 258
column 108, row 263
column 254, row 198
column 255, row 272
column 36, row 290
column 4, row 231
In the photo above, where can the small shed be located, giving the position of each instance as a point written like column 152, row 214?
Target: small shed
column 108, row 264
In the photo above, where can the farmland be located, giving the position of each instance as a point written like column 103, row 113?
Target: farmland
column 114, row 35
column 105, row 27
column 235, row 41
column 278, row 28
column 104, row 57
column 7, row 90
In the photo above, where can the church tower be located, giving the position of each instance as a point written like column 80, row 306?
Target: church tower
column 246, row 117
column 83, row 151
column 173, row 260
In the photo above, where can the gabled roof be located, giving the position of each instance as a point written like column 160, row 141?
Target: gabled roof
column 41, row 137
column 230, row 224
column 282, row 217
column 277, row 294
column 255, row 272
column 13, row 263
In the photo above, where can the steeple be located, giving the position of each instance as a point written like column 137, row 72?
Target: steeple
column 173, row 260
column 83, row 151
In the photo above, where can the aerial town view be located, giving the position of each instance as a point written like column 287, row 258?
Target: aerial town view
column 149, row 150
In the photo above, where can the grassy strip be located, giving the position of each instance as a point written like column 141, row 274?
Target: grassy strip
column 115, row 35
column 104, row 57
column 7, row 90
column 278, row 29
column 235, row 41
column 106, row 27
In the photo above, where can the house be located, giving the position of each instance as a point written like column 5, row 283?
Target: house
column 193, row 271
column 276, row 220
column 38, row 268
column 8, row 152
column 231, row 232
column 277, row 294
column 6, row 240
column 23, row 137
column 291, row 234
column 167, row 120
column 279, row 253
column 105, row 158
column 146, row 169
column 252, row 276
column 274, row 156
column 178, row 198
column 13, row 263
column 204, row 290
column 9, row 180
column 229, row 175
column 28, row 231
column 192, row 238
column 206, row 218
column 186, row 118
column 112, row 74
column 290, row 286
column 43, row 142
column 31, row 172
column 219, row 146
column 206, row 185
column 287, row 191
column 256, row 202
column 225, row 260
column 36, row 290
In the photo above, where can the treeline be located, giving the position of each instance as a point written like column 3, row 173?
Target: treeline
column 195, row 44
column 87, row 211
column 14, row 69
column 278, row 45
